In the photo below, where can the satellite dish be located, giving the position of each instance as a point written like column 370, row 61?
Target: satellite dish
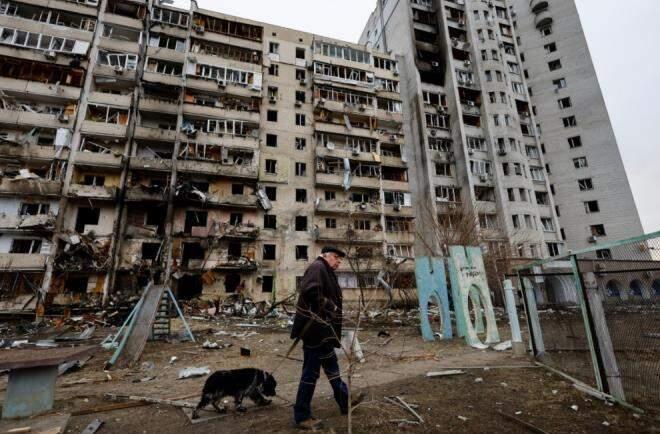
column 330, row 145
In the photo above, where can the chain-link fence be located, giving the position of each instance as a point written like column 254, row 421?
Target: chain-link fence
column 595, row 315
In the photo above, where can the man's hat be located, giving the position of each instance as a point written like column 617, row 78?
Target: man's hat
column 331, row 249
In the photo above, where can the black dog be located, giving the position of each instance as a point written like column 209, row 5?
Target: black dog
column 239, row 383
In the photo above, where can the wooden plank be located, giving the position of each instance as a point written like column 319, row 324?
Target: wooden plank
column 141, row 330
column 34, row 358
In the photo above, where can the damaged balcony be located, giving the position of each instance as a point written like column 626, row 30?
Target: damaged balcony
column 349, row 207
column 195, row 190
column 105, row 120
column 160, row 98
column 163, row 72
column 156, row 126
column 345, row 124
column 217, row 160
column 327, row 73
column 394, row 178
column 58, row 46
column 27, row 183
column 224, row 78
column 147, row 187
column 343, row 234
column 221, row 106
column 23, row 78
column 228, row 255
column 228, row 132
column 128, row 13
column 116, row 65
column 235, row 53
column 344, row 146
column 247, row 35
column 100, row 152
column 92, row 185
column 337, row 172
column 16, row 112
column 81, row 253
column 40, row 222
column 343, row 100
column 35, row 144
column 23, row 262
column 120, row 38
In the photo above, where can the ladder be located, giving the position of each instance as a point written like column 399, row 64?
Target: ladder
column 162, row 326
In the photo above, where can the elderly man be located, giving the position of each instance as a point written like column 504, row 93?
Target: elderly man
column 318, row 324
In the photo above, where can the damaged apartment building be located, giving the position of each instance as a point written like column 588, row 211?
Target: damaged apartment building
column 141, row 141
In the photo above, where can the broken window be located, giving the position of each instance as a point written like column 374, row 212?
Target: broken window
column 481, row 167
column 25, row 246
column 33, row 209
column 300, row 53
column 267, row 284
column 271, row 116
column 236, row 218
column 300, row 119
column 117, row 60
column 397, row 198
column 300, row 96
column 387, row 85
column 574, row 142
column 227, row 27
column 585, row 184
column 274, row 70
column 271, row 192
column 301, row 253
column 191, row 251
column 301, row 169
column 389, row 105
column 362, row 225
column 301, row 223
column 300, row 74
column 151, row 251
column 237, row 189
column 331, row 223
column 598, row 230
column 226, row 51
column 330, row 195
column 234, row 250
column 164, row 67
column 434, row 120
column 342, row 52
column 301, row 143
column 271, row 167
column 344, row 74
column 560, row 83
column 591, row 207
column 227, row 75
column 50, row 16
column 301, row 195
column 232, row 281
column 271, row 140
column 94, row 180
column 580, row 162
column 87, row 216
column 484, row 194
column 269, row 252
column 488, row 221
column 400, row 250
column 270, row 221
column 397, row 224
column 120, row 33
column 107, row 114
column 38, row 41
column 195, row 219
column 166, row 41
column 169, row 17
column 447, row 194
column 39, row 71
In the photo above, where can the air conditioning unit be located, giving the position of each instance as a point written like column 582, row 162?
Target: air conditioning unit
column 330, row 146
column 222, row 84
column 303, row 82
column 363, row 107
column 397, row 207
column 192, row 59
column 356, row 151
column 272, row 99
column 433, row 133
column 461, row 24
column 483, row 178
column 363, row 206
column 592, row 239
column 321, row 102
column 119, row 69
column 467, row 62
column 394, row 137
column 50, row 55
column 502, row 152
column 198, row 28
column 491, row 5
column 442, row 109
column 435, row 64
column 470, row 151
column 298, row 104
column 191, row 132
column 64, row 118
column 395, row 72
column 471, row 104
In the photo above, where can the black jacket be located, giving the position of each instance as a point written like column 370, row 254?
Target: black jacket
column 319, row 305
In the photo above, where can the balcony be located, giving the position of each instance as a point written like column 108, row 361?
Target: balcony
column 32, row 152
column 30, row 187
column 347, row 207
column 158, row 105
column 218, row 169
column 92, row 192
column 166, row 54
column 336, row 128
column 366, row 157
column 337, row 180
column 157, row 164
column 208, row 85
column 237, row 201
column 325, row 234
column 30, row 88
column 139, row 193
column 97, row 159
column 221, row 113
column 224, row 264
column 400, row 211
column 103, row 129
column 109, row 99
column 170, row 80
column 109, row 71
column 29, row 119
column 157, row 134
column 395, row 185
column 27, row 222
column 471, row 109
column 543, row 19
column 229, row 141
column 22, row 262
column 400, row 237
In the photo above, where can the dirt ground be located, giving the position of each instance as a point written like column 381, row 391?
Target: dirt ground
column 493, row 383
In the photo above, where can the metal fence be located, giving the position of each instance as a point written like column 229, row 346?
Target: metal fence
column 595, row 315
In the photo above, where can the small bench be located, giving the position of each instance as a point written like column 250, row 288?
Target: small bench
column 32, row 377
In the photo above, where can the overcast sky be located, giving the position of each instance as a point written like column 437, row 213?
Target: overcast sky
column 622, row 37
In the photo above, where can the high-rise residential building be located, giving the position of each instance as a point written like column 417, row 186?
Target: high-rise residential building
column 143, row 141
column 520, row 119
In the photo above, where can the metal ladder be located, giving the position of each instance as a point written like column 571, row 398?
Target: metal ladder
column 162, row 324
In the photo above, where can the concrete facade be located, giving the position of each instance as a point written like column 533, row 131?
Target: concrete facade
column 191, row 147
column 507, row 60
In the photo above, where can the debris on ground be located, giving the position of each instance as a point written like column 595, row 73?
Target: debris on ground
column 446, row 373
column 503, row 346
column 194, row 372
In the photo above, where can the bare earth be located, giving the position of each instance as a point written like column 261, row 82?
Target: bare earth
column 509, row 385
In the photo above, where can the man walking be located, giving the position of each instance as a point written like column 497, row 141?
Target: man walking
column 318, row 324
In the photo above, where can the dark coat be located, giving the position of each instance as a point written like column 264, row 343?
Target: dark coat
column 320, row 301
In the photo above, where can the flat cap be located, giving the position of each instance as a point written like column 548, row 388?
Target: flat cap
column 331, row 249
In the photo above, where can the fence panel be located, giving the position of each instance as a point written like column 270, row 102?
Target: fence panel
column 628, row 278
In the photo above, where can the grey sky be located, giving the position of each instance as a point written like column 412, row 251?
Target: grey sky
column 622, row 37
